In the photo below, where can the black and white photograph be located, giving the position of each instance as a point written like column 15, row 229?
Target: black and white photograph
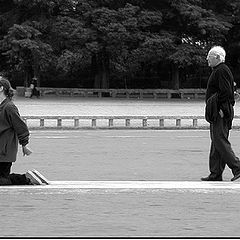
column 119, row 119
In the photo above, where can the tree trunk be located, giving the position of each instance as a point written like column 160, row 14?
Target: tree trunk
column 36, row 71
column 175, row 77
column 100, row 66
column 28, row 76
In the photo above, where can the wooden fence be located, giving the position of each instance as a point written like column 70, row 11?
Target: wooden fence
column 118, row 122
column 114, row 93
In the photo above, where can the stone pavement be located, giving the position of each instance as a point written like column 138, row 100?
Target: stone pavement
column 114, row 213
column 120, row 155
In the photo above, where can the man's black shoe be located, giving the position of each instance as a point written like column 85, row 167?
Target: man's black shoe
column 210, row 178
column 236, row 177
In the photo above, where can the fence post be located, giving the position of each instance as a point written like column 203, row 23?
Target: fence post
column 76, row 122
column 127, row 122
column 94, row 122
column 110, row 122
column 41, row 122
column 161, row 122
column 59, row 122
column 178, row 122
column 144, row 122
column 195, row 122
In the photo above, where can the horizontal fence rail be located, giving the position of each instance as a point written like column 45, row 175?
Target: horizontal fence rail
column 114, row 93
column 120, row 122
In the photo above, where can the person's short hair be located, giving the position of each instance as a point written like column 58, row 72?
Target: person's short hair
column 218, row 50
column 7, row 88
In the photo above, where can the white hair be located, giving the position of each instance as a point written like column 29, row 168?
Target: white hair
column 218, row 50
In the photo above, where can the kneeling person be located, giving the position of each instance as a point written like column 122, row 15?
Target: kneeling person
column 12, row 130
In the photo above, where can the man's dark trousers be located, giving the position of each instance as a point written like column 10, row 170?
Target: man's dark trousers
column 221, row 152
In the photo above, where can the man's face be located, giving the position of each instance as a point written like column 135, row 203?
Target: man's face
column 213, row 59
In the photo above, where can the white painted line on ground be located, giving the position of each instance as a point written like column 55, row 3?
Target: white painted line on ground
column 54, row 137
column 191, row 136
column 53, row 131
column 70, row 136
column 132, row 185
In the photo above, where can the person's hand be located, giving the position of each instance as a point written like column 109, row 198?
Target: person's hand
column 26, row 150
column 221, row 113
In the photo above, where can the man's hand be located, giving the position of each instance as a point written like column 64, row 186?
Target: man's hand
column 26, row 151
column 221, row 113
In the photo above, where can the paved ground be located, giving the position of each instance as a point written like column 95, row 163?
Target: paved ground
column 120, row 155
column 108, row 106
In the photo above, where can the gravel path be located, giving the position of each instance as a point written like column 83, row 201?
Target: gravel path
column 96, row 106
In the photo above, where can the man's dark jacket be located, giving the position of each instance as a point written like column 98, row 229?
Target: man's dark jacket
column 220, row 94
column 211, row 110
column 12, row 130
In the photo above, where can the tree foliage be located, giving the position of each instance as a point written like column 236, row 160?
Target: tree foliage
column 105, row 43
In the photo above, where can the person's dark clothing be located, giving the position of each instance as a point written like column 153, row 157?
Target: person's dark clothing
column 221, row 152
column 35, row 92
column 12, row 130
column 221, row 81
column 11, row 179
column 220, row 95
column 211, row 110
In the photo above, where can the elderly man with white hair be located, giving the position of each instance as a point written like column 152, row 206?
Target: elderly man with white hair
column 219, row 112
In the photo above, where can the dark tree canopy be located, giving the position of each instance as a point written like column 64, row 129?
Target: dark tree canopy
column 117, row 44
